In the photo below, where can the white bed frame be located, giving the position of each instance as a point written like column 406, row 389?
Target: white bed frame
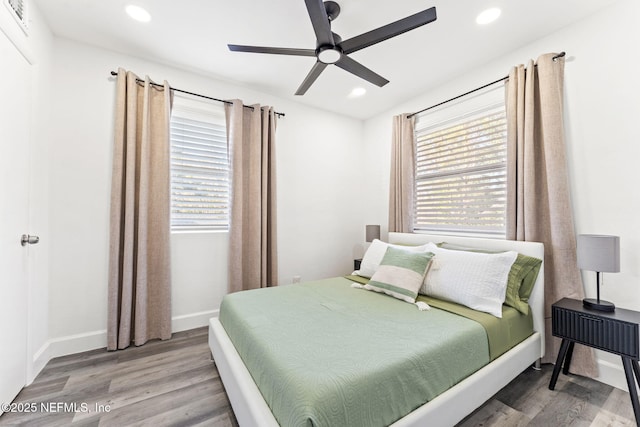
column 446, row 409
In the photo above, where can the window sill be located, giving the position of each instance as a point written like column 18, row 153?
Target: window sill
column 199, row 231
column 497, row 236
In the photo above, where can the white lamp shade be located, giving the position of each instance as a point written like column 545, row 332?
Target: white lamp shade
column 599, row 253
column 372, row 232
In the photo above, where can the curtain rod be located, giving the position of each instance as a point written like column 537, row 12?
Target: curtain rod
column 113, row 73
column 560, row 55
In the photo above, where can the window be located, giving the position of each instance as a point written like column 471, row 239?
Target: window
column 199, row 166
column 461, row 154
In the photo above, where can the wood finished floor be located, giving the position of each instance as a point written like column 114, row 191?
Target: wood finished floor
column 174, row 383
column 162, row 383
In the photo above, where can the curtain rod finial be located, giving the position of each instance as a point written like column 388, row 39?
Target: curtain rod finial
column 560, row 55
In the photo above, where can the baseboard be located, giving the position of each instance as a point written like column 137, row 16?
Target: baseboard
column 612, row 374
column 40, row 360
column 192, row 320
column 78, row 343
column 63, row 346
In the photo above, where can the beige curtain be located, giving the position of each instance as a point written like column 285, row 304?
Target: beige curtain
column 402, row 174
column 139, row 292
column 253, row 261
column 538, row 193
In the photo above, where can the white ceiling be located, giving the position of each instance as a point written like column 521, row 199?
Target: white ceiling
column 193, row 34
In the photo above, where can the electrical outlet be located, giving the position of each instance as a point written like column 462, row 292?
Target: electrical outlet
column 296, row 279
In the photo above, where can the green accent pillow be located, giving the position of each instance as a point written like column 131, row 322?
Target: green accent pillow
column 522, row 277
column 401, row 273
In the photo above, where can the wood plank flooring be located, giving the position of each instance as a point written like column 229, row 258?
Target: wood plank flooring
column 576, row 401
column 175, row 383
column 163, row 383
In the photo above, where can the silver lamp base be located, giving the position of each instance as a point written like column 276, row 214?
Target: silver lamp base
column 598, row 304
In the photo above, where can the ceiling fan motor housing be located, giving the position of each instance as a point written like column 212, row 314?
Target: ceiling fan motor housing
column 329, row 54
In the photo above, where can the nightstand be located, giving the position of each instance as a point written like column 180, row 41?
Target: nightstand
column 617, row 332
column 356, row 263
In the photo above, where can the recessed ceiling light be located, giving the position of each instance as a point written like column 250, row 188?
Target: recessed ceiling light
column 357, row 92
column 488, row 16
column 138, row 13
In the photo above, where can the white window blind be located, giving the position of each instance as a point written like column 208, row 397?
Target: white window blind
column 461, row 172
column 199, row 166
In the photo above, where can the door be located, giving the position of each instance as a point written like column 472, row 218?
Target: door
column 15, row 96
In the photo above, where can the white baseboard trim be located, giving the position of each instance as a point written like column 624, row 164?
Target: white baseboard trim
column 63, row 346
column 77, row 343
column 612, row 374
column 40, row 359
column 192, row 320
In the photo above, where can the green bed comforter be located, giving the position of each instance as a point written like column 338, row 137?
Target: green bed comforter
column 325, row 354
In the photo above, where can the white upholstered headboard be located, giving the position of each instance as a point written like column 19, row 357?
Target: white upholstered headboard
column 534, row 249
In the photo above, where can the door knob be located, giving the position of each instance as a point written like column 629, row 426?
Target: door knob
column 32, row 240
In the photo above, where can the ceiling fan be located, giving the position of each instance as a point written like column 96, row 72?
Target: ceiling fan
column 331, row 49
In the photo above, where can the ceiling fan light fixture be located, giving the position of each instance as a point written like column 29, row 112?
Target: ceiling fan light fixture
column 329, row 55
column 488, row 16
column 138, row 13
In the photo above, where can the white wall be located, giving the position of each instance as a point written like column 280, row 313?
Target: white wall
column 317, row 173
column 602, row 106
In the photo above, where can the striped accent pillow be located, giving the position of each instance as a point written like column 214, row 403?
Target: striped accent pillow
column 401, row 273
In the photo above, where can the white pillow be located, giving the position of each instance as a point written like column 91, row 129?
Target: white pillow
column 475, row 280
column 375, row 253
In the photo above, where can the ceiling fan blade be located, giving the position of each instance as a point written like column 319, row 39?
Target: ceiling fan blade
column 361, row 71
column 311, row 77
column 320, row 22
column 272, row 50
column 390, row 30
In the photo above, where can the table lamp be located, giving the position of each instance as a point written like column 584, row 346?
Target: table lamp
column 599, row 253
column 372, row 233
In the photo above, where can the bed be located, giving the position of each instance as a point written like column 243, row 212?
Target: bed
column 447, row 407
